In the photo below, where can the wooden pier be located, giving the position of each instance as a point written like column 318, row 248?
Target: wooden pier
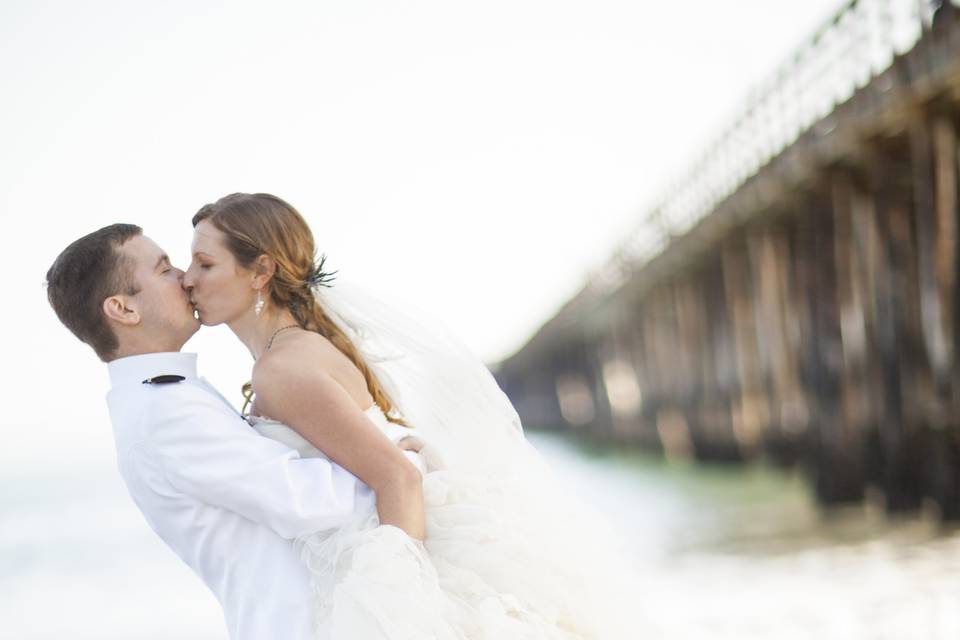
column 796, row 296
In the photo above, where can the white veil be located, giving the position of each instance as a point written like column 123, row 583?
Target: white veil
column 454, row 404
column 435, row 382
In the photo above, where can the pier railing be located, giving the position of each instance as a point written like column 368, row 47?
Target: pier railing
column 856, row 44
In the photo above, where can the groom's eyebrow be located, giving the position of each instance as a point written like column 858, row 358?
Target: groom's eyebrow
column 163, row 258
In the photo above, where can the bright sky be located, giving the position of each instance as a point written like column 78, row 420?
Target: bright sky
column 477, row 159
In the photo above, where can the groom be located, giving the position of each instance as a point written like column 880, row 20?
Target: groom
column 226, row 500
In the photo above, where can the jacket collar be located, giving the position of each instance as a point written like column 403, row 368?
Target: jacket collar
column 136, row 369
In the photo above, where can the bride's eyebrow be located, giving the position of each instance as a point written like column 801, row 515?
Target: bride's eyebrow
column 201, row 253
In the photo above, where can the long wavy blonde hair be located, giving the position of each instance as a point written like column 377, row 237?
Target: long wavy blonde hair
column 255, row 224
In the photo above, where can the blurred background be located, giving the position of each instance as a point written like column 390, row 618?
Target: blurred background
column 708, row 249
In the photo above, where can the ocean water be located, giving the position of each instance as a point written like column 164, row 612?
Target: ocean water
column 77, row 560
column 720, row 553
column 743, row 553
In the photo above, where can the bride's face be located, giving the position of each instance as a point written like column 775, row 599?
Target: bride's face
column 220, row 289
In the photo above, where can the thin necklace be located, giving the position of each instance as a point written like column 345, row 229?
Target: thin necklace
column 248, row 397
column 270, row 343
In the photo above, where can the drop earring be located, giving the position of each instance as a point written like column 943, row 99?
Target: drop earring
column 257, row 308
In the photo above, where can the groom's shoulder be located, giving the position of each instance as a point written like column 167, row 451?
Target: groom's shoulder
column 158, row 402
column 164, row 417
column 154, row 389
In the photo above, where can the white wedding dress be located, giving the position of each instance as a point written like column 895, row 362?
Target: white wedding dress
column 493, row 566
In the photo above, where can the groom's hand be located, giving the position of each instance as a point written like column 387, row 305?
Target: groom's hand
column 410, row 443
column 431, row 458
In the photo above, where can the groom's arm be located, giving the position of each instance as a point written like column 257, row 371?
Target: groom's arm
column 212, row 454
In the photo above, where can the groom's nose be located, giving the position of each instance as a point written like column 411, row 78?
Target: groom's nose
column 186, row 281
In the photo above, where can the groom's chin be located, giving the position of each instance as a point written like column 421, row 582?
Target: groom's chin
column 188, row 332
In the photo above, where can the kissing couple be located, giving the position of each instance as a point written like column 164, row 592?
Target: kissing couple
column 377, row 483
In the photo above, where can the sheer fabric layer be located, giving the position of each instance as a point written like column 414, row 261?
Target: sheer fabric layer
column 507, row 554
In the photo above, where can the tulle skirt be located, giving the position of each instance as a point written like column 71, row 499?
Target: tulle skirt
column 505, row 557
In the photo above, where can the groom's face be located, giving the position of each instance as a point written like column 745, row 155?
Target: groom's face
column 162, row 303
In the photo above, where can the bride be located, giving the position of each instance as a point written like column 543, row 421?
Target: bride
column 470, row 538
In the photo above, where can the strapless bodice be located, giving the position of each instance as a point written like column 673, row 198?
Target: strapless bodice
column 276, row 430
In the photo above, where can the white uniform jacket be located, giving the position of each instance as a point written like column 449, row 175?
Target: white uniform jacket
column 225, row 499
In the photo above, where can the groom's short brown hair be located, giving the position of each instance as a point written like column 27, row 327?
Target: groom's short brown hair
column 85, row 274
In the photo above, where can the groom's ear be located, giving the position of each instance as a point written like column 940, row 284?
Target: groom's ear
column 263, row 269
column 118, row 309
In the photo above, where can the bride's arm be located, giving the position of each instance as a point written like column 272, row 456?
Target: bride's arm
column 299, row 394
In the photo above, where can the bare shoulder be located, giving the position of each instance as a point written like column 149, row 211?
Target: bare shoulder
column 300, row 351
column 308, row 356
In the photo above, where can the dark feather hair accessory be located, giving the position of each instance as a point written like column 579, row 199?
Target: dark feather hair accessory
column 318, row 277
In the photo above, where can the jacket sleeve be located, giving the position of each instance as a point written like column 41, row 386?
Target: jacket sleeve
column 215, row 456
